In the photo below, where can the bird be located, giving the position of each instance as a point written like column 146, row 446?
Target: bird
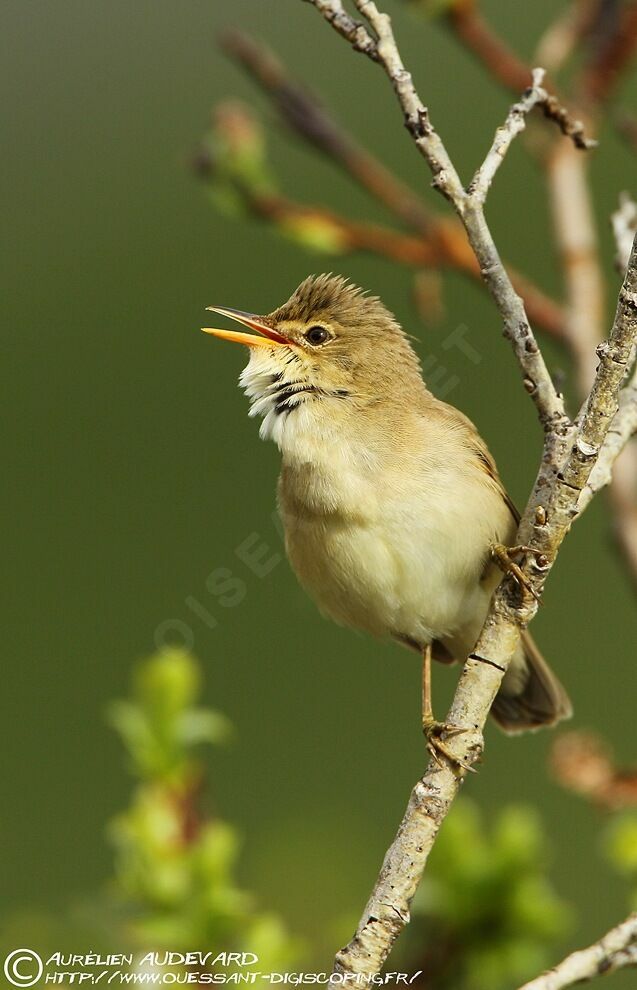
column 395, row 519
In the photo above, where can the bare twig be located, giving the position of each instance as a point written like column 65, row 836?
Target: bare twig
column 569, row 125
column 514, row 124
column 616, row 949
column 623, row 484
column 534, row 96
column 623, row 427
column 570, row 454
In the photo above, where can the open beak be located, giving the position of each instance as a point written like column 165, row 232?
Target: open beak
column 268, row 335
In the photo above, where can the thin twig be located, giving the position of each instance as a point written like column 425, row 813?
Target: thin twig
column 569, row 125
column 615, row 950
column 514, row 124
column 623, row 427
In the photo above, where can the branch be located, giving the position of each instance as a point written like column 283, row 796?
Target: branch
column 534, row 96
column 616, row 949
column 570, row 453
column 623, row 427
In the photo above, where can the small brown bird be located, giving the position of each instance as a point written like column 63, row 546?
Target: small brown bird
column 393, row 510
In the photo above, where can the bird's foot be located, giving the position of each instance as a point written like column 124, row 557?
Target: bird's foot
column 436, row 733
column 503, row 557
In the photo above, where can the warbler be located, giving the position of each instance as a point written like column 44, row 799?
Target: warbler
column 394, row 514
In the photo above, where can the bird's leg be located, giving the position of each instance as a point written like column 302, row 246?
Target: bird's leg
column 503, row 557
column 433, row 729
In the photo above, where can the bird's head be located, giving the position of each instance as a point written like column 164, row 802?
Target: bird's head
column 328, row 349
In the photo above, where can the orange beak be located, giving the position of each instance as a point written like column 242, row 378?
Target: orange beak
column 268, row 335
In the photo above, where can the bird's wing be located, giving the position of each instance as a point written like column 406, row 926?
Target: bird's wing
column 485, row 459
column 488, row 465
column 476, row 446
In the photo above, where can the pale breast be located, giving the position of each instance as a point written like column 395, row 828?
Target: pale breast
column 391, row 555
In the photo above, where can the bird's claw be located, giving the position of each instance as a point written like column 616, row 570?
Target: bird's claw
column 503, row 557
column 434, row 732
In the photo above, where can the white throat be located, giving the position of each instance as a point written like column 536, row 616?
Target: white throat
column 281, row 390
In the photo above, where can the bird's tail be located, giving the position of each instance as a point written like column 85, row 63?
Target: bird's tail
column 531, row 695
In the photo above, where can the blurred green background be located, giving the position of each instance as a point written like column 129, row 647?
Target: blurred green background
column 132, row 471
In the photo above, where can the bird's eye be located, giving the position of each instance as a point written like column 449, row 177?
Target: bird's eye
column 316, row 336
